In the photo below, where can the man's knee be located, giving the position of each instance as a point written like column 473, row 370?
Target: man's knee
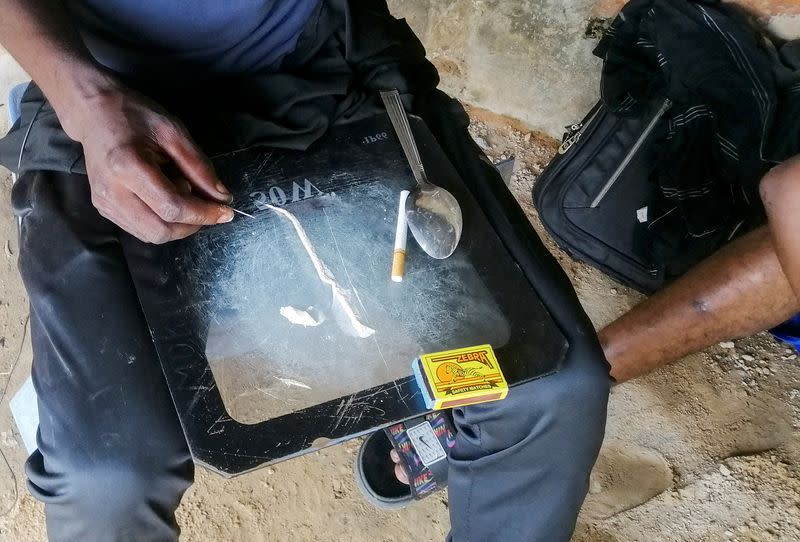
column 567, row 406
column 113, row 493
column 572, row 400
column 780, row 180
column 112, row 498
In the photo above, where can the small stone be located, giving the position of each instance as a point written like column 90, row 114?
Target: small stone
column 614, row 291
column 527, row 137
column 270, row 470
column 724, row 471
column 7, row 439
column 481, row 142
column 748, row 357
column 727, row 344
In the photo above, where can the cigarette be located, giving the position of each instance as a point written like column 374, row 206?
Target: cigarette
column 400, row 238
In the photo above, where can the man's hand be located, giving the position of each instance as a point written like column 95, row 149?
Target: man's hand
column 146, row 174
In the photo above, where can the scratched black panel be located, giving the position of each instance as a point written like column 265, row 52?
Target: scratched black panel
column 276, row 330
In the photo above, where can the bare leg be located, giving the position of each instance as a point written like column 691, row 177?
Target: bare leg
column 780, row 191
column 738, row 291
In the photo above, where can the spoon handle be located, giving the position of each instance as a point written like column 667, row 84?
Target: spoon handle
column 397, row 114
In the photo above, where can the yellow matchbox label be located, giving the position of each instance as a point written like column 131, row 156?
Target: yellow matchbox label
column 464, row 376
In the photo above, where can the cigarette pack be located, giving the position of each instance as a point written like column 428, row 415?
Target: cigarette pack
column 460, row 377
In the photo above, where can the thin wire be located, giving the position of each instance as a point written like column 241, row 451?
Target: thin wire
column 2, row 397
column 242, row 212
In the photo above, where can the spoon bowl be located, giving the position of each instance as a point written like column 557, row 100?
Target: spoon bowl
column 434, row 218
column 433, row 214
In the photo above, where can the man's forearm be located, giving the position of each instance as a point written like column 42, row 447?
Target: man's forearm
column 738, row 291
column 780, row 191
column 41, row 37
column 139, row 159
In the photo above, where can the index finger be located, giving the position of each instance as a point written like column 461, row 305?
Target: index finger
column 158, row 193
column 194, row 165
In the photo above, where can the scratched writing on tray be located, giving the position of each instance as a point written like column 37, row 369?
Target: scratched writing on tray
column 279, row 196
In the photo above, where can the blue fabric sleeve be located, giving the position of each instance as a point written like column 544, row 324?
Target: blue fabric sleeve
column 789, row 332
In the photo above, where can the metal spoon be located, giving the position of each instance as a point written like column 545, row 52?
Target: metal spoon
column 433, row 214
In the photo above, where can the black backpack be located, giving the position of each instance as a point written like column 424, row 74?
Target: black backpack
column 597, row 200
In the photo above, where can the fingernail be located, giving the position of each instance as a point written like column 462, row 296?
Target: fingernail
column 222, row 189
column 227, row 197
column 227, row 216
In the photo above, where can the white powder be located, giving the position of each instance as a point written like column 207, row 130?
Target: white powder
column 326, row 276
column 300, row 317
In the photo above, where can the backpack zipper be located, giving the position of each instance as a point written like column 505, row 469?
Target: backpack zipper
column 574, row 133
column 628, row 157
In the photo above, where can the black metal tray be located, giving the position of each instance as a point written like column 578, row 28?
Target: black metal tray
column 282, row 333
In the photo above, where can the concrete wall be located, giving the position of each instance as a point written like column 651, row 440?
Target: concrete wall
column 532, row 59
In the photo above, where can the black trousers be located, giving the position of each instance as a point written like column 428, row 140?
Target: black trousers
column 112, row 462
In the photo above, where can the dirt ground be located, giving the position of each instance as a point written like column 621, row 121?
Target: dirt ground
column 703, row 450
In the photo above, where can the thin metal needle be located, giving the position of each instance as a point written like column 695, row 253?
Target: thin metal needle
column 242, row 213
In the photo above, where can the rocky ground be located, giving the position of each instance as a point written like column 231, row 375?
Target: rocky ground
column 706, row 449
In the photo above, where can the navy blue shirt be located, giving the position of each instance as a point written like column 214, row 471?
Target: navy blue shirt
column 190, row 38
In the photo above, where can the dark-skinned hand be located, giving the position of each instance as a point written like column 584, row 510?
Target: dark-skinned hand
column 146, row 174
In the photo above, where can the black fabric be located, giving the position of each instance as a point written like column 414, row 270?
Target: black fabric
column 719, row 73
column 608, row 235
column 687, row 188
column 785, row 140
column 350, row 49
column 112, row 462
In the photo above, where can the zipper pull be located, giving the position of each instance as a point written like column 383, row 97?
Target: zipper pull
column 573, row 134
